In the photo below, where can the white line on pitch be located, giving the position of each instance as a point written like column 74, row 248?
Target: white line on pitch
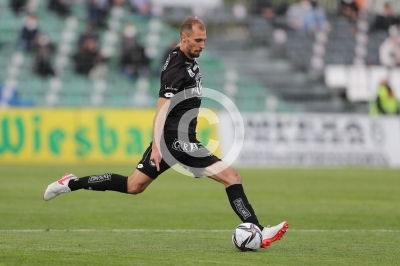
column 194, row 230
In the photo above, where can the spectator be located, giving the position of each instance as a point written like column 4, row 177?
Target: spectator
column 60, row 7
column 315, row 18
column 89, row 33
column 386, row 102
column 389, row 50
column 43, row 54
column 264, row 8
column 349, row 9
column 142, row 7
column 273, row 13
column 87, row 57
column 17, row 6
column 97, row 12
column 28, row 33
column 129, row 38
column 296, row 13
column 386, row 19
column 133, row 59
column 135, row 63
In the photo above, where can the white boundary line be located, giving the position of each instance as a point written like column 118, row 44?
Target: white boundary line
column 192, row 230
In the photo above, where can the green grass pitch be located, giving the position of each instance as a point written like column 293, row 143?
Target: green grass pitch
column 336, row 217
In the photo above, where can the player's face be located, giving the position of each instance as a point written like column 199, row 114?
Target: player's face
column 194, row 43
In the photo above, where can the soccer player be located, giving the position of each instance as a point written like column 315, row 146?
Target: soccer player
column 174, row 138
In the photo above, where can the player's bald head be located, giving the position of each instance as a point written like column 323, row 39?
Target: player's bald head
column 189, row 23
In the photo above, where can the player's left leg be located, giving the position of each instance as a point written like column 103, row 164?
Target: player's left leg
column 69, row 182
column 232, row 181
column 134, row 184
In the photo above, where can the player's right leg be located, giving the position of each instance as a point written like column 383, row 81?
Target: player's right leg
column 274, row 233
column 233, row 184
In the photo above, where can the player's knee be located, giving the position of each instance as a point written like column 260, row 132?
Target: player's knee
column 138, row 182
column 234, row 178
column 135, row 189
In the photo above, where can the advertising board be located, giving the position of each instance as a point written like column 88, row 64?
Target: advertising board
column 79, row 135
column 315, row 140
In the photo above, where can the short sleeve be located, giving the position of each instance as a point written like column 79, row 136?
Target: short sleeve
column 172, row 80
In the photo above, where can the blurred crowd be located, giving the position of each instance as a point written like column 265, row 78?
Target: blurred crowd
column 302, row 16
column 308, row 15
column 88, row 56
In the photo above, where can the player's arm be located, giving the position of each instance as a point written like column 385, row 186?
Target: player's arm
column 158, row 127
column 171, row 80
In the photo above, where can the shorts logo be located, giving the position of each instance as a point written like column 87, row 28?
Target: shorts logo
column 140, row 166
column 239, row 205
column 185, row 146
column 99, row 178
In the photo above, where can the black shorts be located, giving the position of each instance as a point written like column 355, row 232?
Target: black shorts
column 187, row 151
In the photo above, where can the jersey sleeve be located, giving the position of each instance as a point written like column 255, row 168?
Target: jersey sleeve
column 171, row 82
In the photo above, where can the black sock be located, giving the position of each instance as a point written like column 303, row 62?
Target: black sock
column 241, row 205
column 102, row 182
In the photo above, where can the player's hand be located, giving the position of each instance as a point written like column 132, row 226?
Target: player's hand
column 156, row 157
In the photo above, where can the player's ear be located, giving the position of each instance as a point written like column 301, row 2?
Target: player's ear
column 184, row 37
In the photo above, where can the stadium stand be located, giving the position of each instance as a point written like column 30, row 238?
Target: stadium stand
column 258, row 62
column 68, row 89
column 348, row 41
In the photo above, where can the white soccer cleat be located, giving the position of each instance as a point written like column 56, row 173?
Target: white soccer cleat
column 58, row 187
column 274, row 233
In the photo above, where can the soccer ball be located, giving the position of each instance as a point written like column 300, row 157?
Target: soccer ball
column 247, row 237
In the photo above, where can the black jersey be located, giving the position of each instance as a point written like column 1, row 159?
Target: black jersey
column 181, row 82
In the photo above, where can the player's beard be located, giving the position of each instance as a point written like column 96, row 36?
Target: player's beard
column 193, row 54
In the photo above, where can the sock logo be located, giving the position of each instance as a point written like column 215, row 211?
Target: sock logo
column 241, row 208
column 99, row 178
